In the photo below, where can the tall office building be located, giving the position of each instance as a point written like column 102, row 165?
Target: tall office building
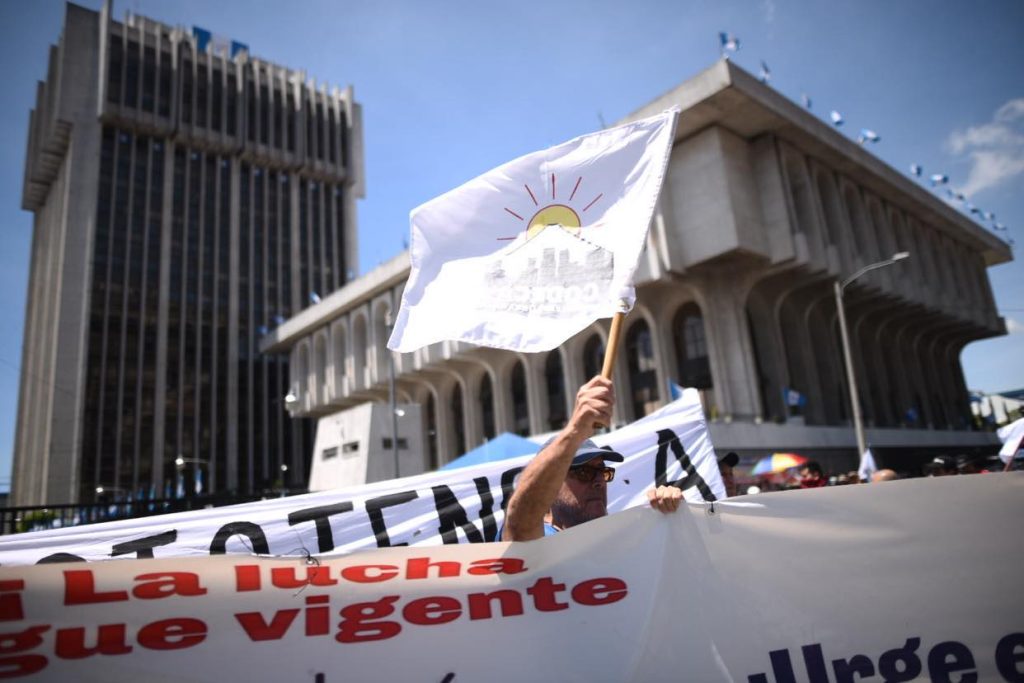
column 188, row 197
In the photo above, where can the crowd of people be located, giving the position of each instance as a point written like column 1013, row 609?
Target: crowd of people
column 811, row 475
column 566, row 483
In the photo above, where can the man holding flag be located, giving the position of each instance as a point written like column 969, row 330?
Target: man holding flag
column 567, row 482
column 524, row 257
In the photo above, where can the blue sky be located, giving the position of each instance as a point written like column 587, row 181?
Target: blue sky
column 453, row 88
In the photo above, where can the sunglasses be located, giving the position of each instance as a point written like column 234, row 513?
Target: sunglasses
column 588, row 474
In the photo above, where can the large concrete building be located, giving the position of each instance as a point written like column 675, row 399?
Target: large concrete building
column 764, row 207
column 186, row 198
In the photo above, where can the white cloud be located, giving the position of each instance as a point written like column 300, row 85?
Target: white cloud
column 768, row 8
column 1014, row 327
column 995, row 149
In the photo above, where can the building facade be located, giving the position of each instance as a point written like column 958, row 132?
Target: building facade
column 764, row 207
column 186, row 199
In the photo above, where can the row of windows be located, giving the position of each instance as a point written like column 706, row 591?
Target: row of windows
column 122, row 404
column 242, row 100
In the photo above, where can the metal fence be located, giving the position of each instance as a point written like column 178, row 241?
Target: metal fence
column 15, row 520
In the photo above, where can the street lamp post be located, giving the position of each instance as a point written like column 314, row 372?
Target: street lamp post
column 851, row 380
column 392, row 400
column 180, row 463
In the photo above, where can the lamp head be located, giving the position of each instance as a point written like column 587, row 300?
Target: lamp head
column 899, row 256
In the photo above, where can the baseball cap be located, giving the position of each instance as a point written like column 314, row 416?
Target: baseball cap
column 731, row 459
column 589, row 450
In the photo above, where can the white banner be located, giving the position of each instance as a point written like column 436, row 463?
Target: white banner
column 530, row 253
column 890, row 582
column 455, row 506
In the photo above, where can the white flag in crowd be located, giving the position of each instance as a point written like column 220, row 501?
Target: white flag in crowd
column 867, row 465
column 530, row 253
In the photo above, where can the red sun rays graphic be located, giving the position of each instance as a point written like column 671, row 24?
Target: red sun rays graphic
column 553, row 213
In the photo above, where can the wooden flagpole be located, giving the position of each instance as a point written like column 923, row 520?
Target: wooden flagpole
column 612, row 349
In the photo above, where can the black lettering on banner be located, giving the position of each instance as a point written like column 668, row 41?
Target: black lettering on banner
column 667, row 439
column 814, row 661
column 253, row 532
column 508, row 478
column 452, row 515
column 1010, row 657
column 374, row 507
column 951, row 657
column 56, row 558
column 320, row 515
column 143, row 547
column 782, row 667
column 847, row 670
column 901, row 663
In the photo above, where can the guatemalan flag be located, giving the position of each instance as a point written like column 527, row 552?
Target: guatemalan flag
column 530, row 253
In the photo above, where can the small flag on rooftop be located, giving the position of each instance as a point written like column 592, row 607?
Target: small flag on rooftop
column 261, row 330
column 837, row 118
column 806, row 99
column 278, row 319
column 916, row 169
column 867, row 135
column 766, row 73
column 939, row 179
column 314, row 298
column 728, row 43
column 989, row 216
column 972, row 208
column 999, row 226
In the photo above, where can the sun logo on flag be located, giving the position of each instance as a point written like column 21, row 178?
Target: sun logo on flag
column 554, row 213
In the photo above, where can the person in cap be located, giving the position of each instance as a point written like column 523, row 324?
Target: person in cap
column 942, row 466
column 725, row 465
column 566, row 484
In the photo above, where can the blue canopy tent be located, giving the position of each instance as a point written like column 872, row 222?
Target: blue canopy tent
column 502, row 447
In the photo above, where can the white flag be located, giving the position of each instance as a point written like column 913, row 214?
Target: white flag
column 1012, row 436
column 867, row 466
column 530, row 253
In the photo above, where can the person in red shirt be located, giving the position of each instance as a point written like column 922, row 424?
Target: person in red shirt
column 811, row 476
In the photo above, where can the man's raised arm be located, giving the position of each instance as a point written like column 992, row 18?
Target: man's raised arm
column 539, row 483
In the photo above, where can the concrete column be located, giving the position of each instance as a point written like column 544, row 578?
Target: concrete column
column 733, row 367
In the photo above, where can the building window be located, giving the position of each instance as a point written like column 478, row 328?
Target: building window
column 329, row 453
column 643, row 377
column 554, row 382
column 115, row 62
column 520, row 406
column 458, row 419
column 430, row 411
column 694, row 367
column 593, row 356
column 487, row 406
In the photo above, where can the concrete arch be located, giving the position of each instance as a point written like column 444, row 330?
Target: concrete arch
column 302, row 376
column 360, row 351
column 320, row 389
column 557, row 397
column 641, row 365
column 339, row 358
column 377, row 357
